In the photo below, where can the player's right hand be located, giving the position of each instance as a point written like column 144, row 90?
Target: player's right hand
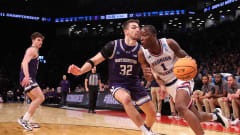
column 25, row 81
column 148, row 74
column 75, row 70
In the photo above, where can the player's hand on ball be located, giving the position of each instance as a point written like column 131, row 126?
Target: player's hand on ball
column 75, row 70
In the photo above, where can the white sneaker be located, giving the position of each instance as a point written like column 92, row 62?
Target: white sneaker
column 235, row 122
column 25, row 124
column 220, row 118
column 158, row 114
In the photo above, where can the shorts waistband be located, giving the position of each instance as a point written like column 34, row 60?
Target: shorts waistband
column 171, row 83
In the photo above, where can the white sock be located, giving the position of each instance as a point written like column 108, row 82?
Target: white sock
column 144, row 129
column 214, row 117
column 26, row 116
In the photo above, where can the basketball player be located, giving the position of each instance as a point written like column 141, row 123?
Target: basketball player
column 157, row 58
column 124, row 70
column 28, row 81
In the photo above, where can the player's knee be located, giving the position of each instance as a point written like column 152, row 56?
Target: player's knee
column 126, row 100
column 42, row 98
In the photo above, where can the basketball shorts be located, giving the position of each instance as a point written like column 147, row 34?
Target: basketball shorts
column 33, row 84
column 184, row 85
column 137, row 92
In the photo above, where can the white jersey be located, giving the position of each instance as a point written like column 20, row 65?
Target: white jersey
column 163, row 63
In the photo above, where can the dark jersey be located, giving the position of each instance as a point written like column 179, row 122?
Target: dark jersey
column 123, row 62
column 32, row 68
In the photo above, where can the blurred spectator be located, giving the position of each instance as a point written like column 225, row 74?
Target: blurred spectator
column 19, row 95
column 219, row 94
column 232, row 99
column 201, row 97
column 10, row 96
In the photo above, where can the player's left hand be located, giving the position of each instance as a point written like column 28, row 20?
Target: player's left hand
column 190, row 58
column 75, row 70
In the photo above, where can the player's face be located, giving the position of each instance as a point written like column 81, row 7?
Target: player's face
column 230, row 81
column 38, row 42
column 204, row 80
column 133, row 31
column 146, row 38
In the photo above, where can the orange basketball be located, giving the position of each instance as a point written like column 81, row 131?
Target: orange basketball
column 185, row 69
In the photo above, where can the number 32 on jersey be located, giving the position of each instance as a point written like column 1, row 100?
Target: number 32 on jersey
column 126, row 69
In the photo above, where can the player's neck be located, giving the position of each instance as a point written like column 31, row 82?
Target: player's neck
column 130, row 42
column 156, row 47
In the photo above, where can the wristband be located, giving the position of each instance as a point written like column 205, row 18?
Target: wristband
column 91, row 62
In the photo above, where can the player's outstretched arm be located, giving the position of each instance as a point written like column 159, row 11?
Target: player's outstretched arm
column 75, row 70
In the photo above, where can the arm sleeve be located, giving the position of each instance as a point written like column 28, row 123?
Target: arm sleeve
column 107, row 50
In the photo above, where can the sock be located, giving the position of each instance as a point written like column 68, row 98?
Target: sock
column 26, row 116
column 214, row 117
column 144, row 129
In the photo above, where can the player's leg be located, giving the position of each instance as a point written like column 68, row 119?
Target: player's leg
column 159, row 102
column 183, row 102
column 154, row 97
column 148, row 109
column 38, row 98
column 125, row 99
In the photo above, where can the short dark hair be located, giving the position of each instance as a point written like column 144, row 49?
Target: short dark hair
column 205, row 76
column 36, row 35
column 151, row 29
column 234, row 78
column 125, row 24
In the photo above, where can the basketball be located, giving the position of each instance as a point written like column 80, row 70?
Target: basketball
column 185, row 69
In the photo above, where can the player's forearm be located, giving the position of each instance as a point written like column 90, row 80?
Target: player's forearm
column 85, row 68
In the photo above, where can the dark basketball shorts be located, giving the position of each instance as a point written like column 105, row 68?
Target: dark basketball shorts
column 136, row 91
column 33, row 84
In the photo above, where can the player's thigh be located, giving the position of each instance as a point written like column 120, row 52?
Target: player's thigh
column 122, row 95
column 37, row 92
column 32, row 97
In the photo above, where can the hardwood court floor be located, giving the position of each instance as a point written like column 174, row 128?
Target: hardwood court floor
column 56, row 121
